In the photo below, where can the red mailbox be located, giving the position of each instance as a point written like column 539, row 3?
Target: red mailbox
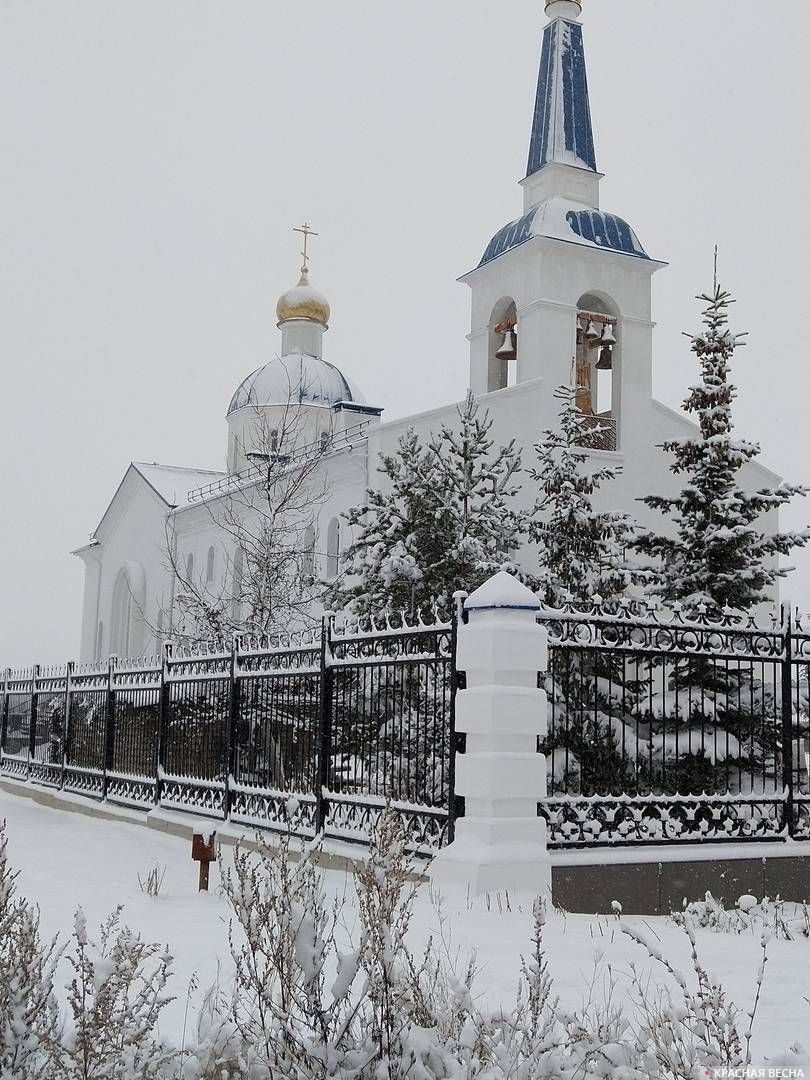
column 204, row 851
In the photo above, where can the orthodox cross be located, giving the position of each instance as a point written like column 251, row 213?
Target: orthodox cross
column 307, row 232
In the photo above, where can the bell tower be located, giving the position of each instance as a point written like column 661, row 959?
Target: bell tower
column 564, row 291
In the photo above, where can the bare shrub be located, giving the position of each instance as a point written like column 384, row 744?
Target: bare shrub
column 152, row 882
column 29, row 1016
column 116, row 995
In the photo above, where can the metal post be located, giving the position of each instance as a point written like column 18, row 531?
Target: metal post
column 454, row 808
column 164, row 703
column 787, row 720
column 4, row 715
column 32, row 727
column 232, row 729
column 67, row 732
column 324, row 724
column 109, row 726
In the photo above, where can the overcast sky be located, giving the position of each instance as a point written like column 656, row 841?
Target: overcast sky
column 156, row 154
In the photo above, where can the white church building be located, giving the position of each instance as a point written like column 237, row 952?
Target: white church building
column 565, row 285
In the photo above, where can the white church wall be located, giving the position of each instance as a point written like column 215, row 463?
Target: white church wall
column 131, row 533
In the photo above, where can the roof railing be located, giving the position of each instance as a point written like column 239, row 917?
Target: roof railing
column 335, row 441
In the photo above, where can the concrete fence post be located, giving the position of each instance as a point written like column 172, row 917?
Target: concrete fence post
column 500, row 843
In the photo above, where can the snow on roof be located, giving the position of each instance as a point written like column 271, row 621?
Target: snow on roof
column 502, row 591
column 561, row 219
column 174, row 482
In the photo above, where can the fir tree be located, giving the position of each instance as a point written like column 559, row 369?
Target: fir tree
column 395, row 533
column 478, row 485
column 441, row 522
column 581, row 554
column 719, row 554
column 581, row 550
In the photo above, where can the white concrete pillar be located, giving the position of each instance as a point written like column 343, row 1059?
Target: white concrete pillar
column 500, row 843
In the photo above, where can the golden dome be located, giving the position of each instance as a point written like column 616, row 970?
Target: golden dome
column 303, row 302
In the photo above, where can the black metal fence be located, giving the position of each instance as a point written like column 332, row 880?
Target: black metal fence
column 662, row 728
column 668, row 729
column 340, row 721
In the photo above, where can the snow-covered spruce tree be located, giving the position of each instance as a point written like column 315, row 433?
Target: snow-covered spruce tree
column 720, row 554
column 582, row 555
column 581, row 550
column 443, row 520
column 477, row 485
column 396, row 540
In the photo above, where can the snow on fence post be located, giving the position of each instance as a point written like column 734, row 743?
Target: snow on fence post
column 4, row 715
column 500, row 843
column 109, row 727
column 164, row 704
column 787, row 720
column 66, row 725
column 232, row 728
column 33, row 718
column 324, row 748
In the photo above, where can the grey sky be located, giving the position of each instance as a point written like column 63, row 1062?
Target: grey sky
column 156, row 155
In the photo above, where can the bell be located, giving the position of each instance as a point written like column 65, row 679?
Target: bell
column 593, row 332
column 605, row 361
column 608, row 337
column 508, row 349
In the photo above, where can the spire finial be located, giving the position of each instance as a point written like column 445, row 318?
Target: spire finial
column 307, row 232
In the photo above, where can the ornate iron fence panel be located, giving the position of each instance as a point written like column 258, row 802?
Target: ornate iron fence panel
column 664, row 728
column 193, row 770
column 47, row 742
column 83, row 770
column 18, row 706
column 132, row 737
column 389, row 727
column 277, row 686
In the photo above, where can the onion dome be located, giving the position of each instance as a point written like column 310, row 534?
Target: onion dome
column 303, row 302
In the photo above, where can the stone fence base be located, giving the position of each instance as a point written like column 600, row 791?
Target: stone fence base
column 587, row 882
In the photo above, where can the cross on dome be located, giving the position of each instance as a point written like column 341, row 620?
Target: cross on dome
column 307, row 232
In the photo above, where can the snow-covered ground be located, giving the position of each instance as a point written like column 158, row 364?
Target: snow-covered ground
column 67, row 860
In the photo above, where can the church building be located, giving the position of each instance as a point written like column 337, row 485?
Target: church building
column 564, row 287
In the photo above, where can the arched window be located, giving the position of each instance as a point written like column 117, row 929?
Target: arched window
column 209, row 566
column 99, row 640
column 189, row 568
column 597, row 367
column 503, row 345
column 274, row 440
column 333, row 548
column 238, row 578
column 308, row 558
column 121, row 623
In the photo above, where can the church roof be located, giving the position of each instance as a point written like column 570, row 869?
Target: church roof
column 561, row 130
column 173, row 482
column 297, row 378
column 561, row 219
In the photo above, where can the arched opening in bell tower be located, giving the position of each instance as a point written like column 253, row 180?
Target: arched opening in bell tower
column 503, row 346
column 597, row 367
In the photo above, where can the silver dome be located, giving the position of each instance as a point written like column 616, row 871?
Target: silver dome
column 297, row 378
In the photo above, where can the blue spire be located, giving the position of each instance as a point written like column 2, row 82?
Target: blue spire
column 562, row 130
